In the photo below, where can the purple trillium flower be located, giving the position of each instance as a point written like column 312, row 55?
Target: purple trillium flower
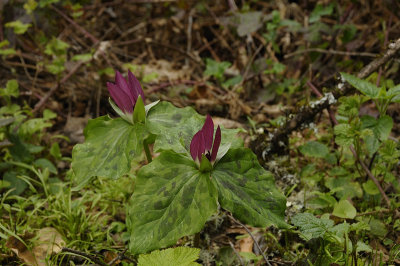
column 202, row 142
column 125, row 93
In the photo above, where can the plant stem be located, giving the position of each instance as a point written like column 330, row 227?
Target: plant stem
column 147, row 151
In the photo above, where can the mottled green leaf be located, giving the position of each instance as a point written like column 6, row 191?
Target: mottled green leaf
column 182, row 256
column 248, row 190
column 176, row 127
column 110, row 146
column 363, row 86
column 172, row 199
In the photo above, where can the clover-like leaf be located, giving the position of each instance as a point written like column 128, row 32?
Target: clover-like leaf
column 248, row 190
column 110, row 147
column 172, row 199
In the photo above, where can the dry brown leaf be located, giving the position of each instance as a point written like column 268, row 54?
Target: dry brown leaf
column 19, row 248
column 49, row 242
column 246, row 244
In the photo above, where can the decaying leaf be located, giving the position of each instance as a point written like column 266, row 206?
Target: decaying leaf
column 48, row 241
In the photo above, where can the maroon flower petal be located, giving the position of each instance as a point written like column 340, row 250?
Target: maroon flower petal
column 120, row 98
column 208, row 132
column 123, row 85
column 195, row 145
column 217, row 142
column 134, row 84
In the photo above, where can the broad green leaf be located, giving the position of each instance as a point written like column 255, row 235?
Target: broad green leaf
column 18, row 184
column 248, row 190
column 370, row 188
column 6, row 121
column 139, row 113
column 344, row 187
column 182, row 256
column 44, row 163
column 311, row 226
column 394, row 94
column 381, row 126
column 110, row 147
column 343, row 134
column 176, row 127
column 314, row 149
column 363, row 86
column 372, row 144
column 344, row 209
column 172, row 199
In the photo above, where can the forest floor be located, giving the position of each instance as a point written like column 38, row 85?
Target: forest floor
column 268, row 67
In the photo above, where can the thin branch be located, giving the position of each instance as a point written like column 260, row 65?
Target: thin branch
column 307, row 114
column 83, row 254
column 254, row 239
column 76, row 25
column 330, row 51
column 237, row 254
column 119, row 257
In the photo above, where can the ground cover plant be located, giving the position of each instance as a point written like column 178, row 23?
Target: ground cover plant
column 199, row 133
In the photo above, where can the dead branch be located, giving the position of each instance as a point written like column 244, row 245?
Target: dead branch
column 276, row 143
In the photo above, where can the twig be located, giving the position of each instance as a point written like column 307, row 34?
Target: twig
column 83, row 254
column 254, row 239
column 330, row 51
column 307, row 114
column 237, row 254
column 54, row 88
column 76, row 25
column 119, row 257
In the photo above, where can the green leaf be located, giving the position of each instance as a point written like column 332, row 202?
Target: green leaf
column 248, row 190
column 343, row 134
column 381, row 127
column 319, row 11
column 15, row 183
column 172, row 199
column 205, row 165
column 216, row 69
column 180, row 256
column 174, row 126
column 139, row 113
column 110, row 147
column 311, row 226
column 344, row 209
column 314, row 149
column 394, row 94
column 18, row 26
column 11, row 89
column 363, row 86
column 370, row 188
column 44, row 163
column 344, row 187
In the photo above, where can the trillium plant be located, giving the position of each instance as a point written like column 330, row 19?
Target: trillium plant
column 200, row 169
